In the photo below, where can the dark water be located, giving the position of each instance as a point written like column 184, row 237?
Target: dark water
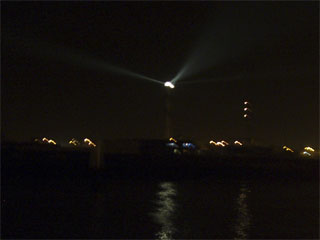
column 206, row 208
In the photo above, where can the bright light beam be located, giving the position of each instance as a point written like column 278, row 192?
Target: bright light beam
column 180, row 74
column 93, row 63
column 69, row 56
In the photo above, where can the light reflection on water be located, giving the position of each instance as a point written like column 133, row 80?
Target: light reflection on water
column 243, row 220
column 165, row 211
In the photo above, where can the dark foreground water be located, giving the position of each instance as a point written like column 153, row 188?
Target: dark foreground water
column 206, row 208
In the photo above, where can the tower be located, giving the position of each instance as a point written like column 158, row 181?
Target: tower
column 247, row 116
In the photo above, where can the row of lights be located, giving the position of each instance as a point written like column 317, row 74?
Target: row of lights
column 308, row 151
column 73, row 141
column 246, row 109
column 224, row 143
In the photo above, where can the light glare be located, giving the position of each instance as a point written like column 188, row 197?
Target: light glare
column 169, row 84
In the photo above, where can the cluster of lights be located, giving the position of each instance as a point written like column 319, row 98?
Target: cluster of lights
column 287, row 149
column 307, row 151
column 173, row 143
column 89, row 142
column 224, row 143
column 74, row 142
column 188, row 145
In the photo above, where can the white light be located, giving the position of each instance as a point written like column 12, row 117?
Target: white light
column 306, row 153
column 169, row 84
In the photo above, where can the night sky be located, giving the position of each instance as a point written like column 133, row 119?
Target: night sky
column 66, row 70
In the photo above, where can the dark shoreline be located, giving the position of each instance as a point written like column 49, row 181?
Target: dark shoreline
column 58, row 161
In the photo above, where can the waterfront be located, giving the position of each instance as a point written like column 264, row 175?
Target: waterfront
column 125, row 208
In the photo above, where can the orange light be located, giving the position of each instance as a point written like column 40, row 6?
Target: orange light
column 90, row 143
column 224, row 142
